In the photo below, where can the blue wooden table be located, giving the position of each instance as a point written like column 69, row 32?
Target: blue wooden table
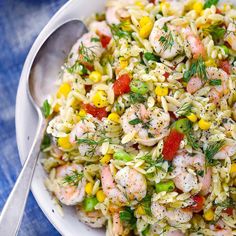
column 20, row 23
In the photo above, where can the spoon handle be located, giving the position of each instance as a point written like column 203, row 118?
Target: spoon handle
column 13, row 210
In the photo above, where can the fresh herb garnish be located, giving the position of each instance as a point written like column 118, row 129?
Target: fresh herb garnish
column 216, row 31
column 215, row 82
column 184, row 110
column 127, row 216
column 165, row 28
column 46, row 142
column 73, row 179
column 167, row 41
column 135, row 121
column 153, row 163
column 95, row 40
column 87, row 141
column 46, row 109
column 87, row 53
column 117, row 30
column 77, row 68
column 151, row 57
column 192, row 141
column 210, row 152
column 209, row 3
column 229, row 202
column 198, row 68
column 136, row 98
column 200, row 173
column 146, row 231
column 146, row 204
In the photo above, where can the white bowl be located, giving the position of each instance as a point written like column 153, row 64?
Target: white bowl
column 26, row 122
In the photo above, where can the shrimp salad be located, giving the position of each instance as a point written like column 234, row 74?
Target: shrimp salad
column 142, row 131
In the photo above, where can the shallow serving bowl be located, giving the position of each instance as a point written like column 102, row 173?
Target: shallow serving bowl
column 26, row 122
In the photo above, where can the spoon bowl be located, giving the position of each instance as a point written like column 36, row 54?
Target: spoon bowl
column 41, row 82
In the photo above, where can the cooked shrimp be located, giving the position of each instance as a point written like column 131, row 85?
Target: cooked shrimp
column 94, row 219
column 228, row 150
column 175, row 233
column 159, row 32
column 117, row 228
column 221, row 229
column 231, row 35
column 93, row 48
column 194, row 43
column 133, row 182
column 218, row 91
column 186, row 181
column 109, row 187
column 173, row 216
column 69, row 193
column 152, row 126
column 100, row 28
column 194, row 84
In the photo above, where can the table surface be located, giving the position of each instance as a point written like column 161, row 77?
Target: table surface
column 20, row 23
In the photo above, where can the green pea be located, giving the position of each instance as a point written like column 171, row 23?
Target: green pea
column 182, row 125
column 226, row 49
column 90, row 203
column 139, row 87
column 165, row 186
column 122, row 156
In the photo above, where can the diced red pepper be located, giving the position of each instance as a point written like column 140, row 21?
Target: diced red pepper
column 229, row 211
column 166, row 75
column 224, row 65
column 171, row 144
column 152, row 1
column 198, row 203
column 94, row 111
column 121, row 85
column 105, row 40
column 218, row 11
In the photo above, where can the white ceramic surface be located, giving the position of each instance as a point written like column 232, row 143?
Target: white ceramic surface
column 26, row 122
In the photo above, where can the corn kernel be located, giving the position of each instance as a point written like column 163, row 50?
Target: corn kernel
column 146, row 25
column 161, row 91
column 140, row 210
column 209, row 215
column 56, row 108
column 95, row 76
column 139, row 4
column 100, row 196
column 89, row 188
column 198, row 7
column 100, row 99
column 123, row 63
column 106, row 158
column 63, row 90
column 114, row 117
column 204, row 125
column 192, row 117
column 64, row 142
column 126, row 25
column 82, row 113
column 233, row 168
column 210, row 62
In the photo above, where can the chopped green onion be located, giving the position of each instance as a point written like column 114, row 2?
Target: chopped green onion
column 90, row 203
column 139, row 87
column 122, row 156
column 183, row 125
column 165, row 186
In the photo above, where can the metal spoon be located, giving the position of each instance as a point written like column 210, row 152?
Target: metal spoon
column 41, row 82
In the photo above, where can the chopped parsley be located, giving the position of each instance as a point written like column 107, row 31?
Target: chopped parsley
column 73, row 179
column 215, row 82
column 46, row 109
column 209, row 3
column 46, row 142
column 198, row 68
column 210, row 152
column 127, row 216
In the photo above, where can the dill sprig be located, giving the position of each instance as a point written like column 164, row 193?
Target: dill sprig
column 229, row 202
column 136, row 98
column 87, row 53
column 73, row 179
column 216, row 31
column 210, row 152
column 168, row 40
column 153, row 163
column 184, row 110
column 198, row 68
column 77, row 68
column 117, row 30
